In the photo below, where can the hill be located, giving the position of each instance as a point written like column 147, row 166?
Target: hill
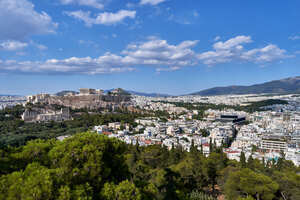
column 149, row 94
column 143, row 93
column 283, row 86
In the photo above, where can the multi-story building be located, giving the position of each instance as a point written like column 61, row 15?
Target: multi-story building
column 273, row 143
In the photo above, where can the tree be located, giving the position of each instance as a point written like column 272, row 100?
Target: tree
column 280, row 161
column 210, row 145
column 35, row 183
column 289, row 184
column 64, row 193
column 211, row 171
column 91, row 158
column 250, row 162
column 82, row 192
column 127, row 191
column 36, row 151
column 245, row 183
column 123, row 191
column 167, row 182
column 193, row 148
column 191, row 173
column 243, row 159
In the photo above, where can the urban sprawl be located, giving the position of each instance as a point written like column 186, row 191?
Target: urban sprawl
column 267, row 134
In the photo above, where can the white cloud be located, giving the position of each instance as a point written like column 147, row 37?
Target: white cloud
column 151, row 2
column 107, row 63
column 92, row 3
column 232, row 43
column 158, row 52
column 296, row 37
column 19, row 19
column 217, row 38
column 266, row 54
column 11, row 45
column 104, row 18
column 153, row 52
column 233, row 50
column 38, row 46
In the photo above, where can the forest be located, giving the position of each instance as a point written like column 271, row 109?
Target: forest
column 89, row 166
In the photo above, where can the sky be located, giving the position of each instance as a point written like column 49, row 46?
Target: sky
column 165, row 46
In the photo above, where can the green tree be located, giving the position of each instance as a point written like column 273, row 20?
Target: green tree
column 91, row 158
column 64, row 193
column 243, row 159
column 35, row 183
column 123, row 191
column 246, row 182
column 82, row 192
column 289, row 184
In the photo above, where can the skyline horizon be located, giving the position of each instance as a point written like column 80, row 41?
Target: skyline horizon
column 146, row 92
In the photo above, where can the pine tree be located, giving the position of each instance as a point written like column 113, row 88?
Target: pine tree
column 243, row 159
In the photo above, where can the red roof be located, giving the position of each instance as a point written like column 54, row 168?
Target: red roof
column 148, row 141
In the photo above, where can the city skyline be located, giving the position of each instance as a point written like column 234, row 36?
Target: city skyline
column 161, row 46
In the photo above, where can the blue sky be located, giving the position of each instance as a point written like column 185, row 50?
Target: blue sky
column 165, row 46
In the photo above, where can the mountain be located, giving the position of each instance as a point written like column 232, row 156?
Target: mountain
column 149, row 94
column 142, row 93
column 283, row 86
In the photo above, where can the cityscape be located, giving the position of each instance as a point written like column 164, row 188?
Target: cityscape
column 149, row 100
column 262, row 134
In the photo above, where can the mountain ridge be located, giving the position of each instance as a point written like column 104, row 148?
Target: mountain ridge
column 282, row 86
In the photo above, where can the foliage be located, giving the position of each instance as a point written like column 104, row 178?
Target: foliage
column 90, row 166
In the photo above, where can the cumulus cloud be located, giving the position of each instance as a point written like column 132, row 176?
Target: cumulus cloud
column 92, row 3
column 153, row 52
column 104, row 64
column 232, row 43
column 11, row 45
column 159, row 53
column 151, row 2
column 233, row 49
column 19, row 19
column 105, row 18
column 266, row 54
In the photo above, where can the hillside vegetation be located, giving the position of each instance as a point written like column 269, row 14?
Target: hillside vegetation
column 89, row 166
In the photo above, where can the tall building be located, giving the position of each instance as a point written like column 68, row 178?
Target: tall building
column 273, row 143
